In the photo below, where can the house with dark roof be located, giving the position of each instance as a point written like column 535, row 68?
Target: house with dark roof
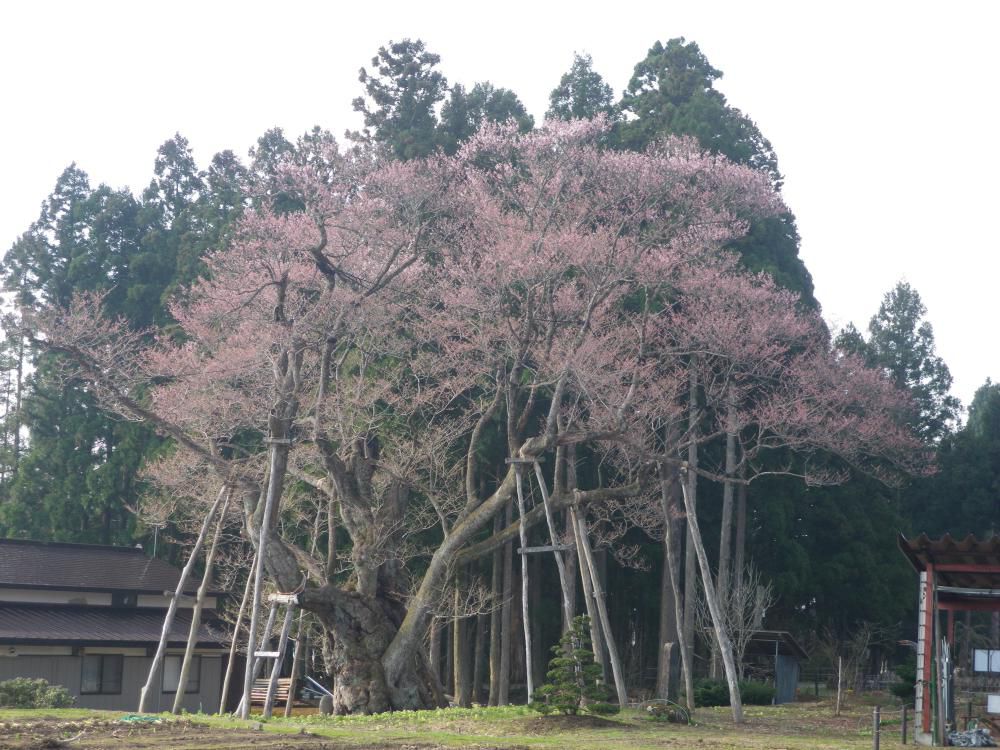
column 89, row 618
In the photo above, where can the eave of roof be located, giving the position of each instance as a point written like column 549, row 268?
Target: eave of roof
column 60, row 624
column 86, row 567
column 787, row 645
column 971, row 562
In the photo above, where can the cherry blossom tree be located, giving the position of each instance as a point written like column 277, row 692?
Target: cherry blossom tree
column 534, row 288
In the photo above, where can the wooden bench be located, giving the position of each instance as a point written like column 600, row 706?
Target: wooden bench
column 259, row 693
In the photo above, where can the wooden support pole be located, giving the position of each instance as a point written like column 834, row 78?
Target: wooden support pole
column 199, row 604
column 928, row 649
column 564, row 582
column 297, row 656
column 234, row 642
column 168, row 619
column 278, row 449
column 255, row 662
column 587, row 559
column 523, row 532
column 272, row 685
column 840, row 681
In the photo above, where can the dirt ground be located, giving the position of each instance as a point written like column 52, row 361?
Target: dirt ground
column 794, row 727
column 183, row 735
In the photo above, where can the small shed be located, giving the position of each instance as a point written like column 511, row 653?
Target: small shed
column 779, row 650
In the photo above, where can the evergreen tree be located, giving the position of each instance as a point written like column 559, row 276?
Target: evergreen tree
column 901, row 342
column 400, row 99
column 465, row 112
column 672, row 92
column 581, row 93
column 574, row 679
column 964, row 496
column 78, row 475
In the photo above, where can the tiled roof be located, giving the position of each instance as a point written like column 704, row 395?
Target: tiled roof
column 84, row 566
column 96, row 625
column 966, row 563
column 763, row 642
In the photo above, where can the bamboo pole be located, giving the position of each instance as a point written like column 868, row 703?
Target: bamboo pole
column 286, row 625
column 199, row 603
column 711, row 599
column 840, row 680
column 257, row 662
column 168, row 619
column 232, row 645
column 564, row 582
column 297, row 656
column 276, row 473
column 523, row 533
column 503, row 694
column 602, row 609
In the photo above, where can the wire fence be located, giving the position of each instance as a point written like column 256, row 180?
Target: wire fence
column 823, row 683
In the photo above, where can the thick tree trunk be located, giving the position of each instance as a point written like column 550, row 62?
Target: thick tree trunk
column 362, row 628
column 670, row 650
column 278, row 465
column 740, row 545
column 668, row 498
column 460, row 656
column 168, row 619
column 719, row 625
column 198, row 605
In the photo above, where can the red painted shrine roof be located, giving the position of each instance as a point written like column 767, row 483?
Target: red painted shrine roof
column 971, row 562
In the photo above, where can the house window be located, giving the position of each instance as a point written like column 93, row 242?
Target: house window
column 172, row 674
column 102, row 674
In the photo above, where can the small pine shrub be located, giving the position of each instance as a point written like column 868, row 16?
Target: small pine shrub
column 24, row 692
column 716, row 693
column 756, row 693
column 711, row 693
column 574, row 679
column 602, row 708
column 906, row 688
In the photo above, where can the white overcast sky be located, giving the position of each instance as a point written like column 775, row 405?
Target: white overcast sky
column 883, row 114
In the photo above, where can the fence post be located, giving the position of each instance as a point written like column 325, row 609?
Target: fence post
column 840, row 668
column 905, row 710
column 876, row 727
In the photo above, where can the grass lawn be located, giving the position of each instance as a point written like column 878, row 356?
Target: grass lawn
column 804, row 726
